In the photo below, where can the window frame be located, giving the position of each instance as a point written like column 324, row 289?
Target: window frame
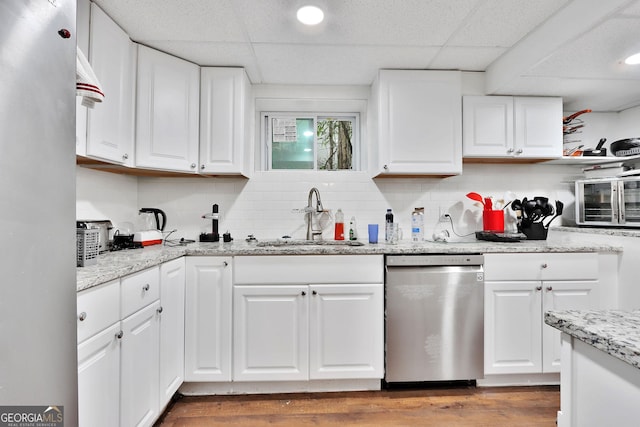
column 267, row 144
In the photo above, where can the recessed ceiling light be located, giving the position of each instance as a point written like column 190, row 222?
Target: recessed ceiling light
column 310, row 15
column 633, row 59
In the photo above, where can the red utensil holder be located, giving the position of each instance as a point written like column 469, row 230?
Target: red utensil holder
column 493, row 220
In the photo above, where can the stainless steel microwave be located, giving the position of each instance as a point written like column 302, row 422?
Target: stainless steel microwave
column 612, row 202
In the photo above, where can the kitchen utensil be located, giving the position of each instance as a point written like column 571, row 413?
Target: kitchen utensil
column 151, row 223
column 625, row 147
column 559, row 210
column 488, row 204
column 568, row 119
column 477, row 197
column 598, row 151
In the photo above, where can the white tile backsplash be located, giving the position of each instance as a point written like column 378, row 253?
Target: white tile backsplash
column 265, row 204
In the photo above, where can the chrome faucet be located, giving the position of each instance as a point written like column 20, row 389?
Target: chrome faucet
column 310, row 210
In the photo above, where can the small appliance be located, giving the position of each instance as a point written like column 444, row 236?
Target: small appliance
column 103, row 226
column 152, row 222
column 608, row 202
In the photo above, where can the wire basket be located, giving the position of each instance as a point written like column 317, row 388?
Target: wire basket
column 88, row 243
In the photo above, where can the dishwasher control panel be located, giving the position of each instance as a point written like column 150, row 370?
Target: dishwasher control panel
column 434, row 260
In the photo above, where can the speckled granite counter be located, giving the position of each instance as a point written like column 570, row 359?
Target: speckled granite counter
column 616, row 332
column 114, row 265
column 623, row 232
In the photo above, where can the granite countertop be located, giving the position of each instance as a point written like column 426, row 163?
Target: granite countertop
column 606, row 231
column 616, row 332
column 113, row 265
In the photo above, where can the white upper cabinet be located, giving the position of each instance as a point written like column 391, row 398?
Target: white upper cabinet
column 419, row 123
column 512, row 127
column 224, row 121
column 110, row 128
column 168, row 105
column 83, row 13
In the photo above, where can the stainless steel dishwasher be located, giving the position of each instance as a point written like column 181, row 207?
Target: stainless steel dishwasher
column 434, row 318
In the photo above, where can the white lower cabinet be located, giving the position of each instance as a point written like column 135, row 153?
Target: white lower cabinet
column 99, row 379
column 139, row 370
column 325, row 329
column 519, row 289
column 271, row 338
column 208, row 319
column 121, row 328
column 516, row 339
column 172, row 285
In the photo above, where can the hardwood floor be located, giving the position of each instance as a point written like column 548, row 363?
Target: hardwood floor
column 459, row 406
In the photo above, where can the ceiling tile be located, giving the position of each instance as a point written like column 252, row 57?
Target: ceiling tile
column 335, row 64
column 466, row 58
column 194, row 20
column 358, row 22
column 501, row 23
column 598, row 54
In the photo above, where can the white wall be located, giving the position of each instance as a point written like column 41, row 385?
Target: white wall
column 265, row 204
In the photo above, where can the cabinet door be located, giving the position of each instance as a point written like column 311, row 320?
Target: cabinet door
column 563, row 296
column 512, row 334
column 99, row 379
column 208, row 299
column 139, row 374
column 172, row 279
column 487, row 126
column 83, row 13
column 346, row 335
column 271, row 333
column 420, row 123
column 224, row 102
column 538, row 127
column 168, row 105
column 110, row 128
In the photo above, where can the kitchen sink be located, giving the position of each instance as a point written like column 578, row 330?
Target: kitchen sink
column 290, row 242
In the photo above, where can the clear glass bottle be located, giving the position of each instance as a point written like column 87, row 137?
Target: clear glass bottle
column 353, row 231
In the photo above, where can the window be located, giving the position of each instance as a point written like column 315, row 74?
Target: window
column 304, row 141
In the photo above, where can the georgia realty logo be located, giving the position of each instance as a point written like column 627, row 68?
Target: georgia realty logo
column 32, row 416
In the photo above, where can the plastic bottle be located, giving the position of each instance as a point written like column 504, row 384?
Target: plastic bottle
column 353, row 232
column 388, row 219
column 417, row 225
column 339, row 227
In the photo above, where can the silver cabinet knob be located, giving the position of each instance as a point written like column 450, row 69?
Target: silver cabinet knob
column 510, row 150
column 125, row 156
column 202, row 167
column 545, row 265
column 519, row 151
column 549, row 288
column 119, row 334
column 538, row 288
column 385, row 167
column 314, row 292
column 146, row 287
column 225, row 263
column 304, row 293
column 160, row 310
column 82, row 316
column 193, row 165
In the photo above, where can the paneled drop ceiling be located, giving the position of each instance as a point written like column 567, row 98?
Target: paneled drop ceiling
column 569, row 48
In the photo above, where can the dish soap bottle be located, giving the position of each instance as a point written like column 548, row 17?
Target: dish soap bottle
column 388, row 219
column 353, row 232
column 339, row 227
column 417, row 225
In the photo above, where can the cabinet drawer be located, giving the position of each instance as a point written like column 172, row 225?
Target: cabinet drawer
column 139, row 290
column 541, row 266
column 98, row 308
column 305, row 269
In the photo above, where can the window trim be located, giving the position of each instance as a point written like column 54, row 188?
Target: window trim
column 266, row 142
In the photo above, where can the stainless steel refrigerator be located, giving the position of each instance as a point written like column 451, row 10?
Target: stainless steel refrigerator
column 37, row 205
